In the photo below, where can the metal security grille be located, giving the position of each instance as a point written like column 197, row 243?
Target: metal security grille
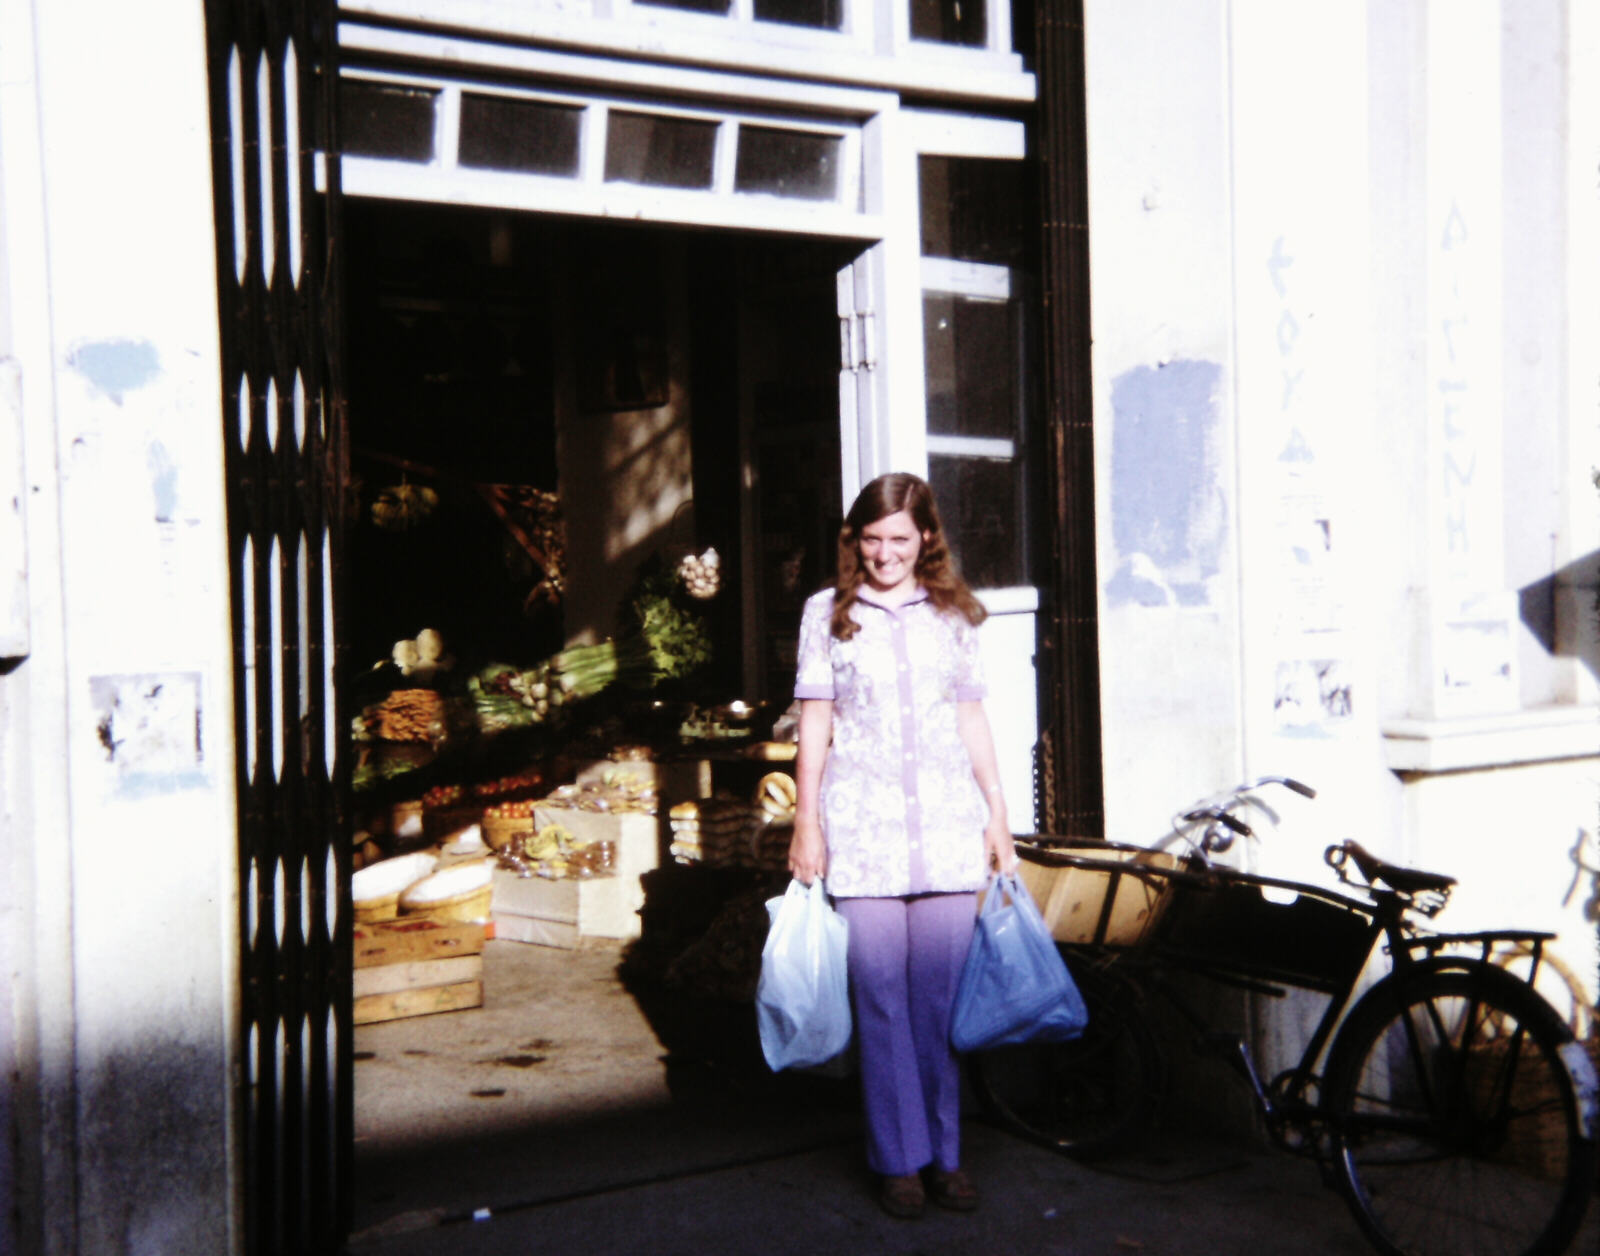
column 272, row 79
column 1071, row 767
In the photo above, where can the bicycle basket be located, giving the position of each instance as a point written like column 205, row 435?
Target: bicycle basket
column 1090, row 891
column 1220, row 920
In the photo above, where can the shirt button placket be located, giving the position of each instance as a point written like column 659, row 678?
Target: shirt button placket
column 908, row 761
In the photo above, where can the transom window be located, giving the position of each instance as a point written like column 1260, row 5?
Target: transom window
column 976, row 24
column 478, row 138
column 821, row 14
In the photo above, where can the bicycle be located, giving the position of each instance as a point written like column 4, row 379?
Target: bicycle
column 1454, row 1110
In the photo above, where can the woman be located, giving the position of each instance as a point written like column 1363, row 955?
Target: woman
column 900, row 807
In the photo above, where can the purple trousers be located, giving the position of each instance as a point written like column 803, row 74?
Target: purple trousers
column 905, row 961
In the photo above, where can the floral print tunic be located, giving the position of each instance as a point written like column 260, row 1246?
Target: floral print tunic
column 900, row 808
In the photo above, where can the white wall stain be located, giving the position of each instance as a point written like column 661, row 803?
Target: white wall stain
column 114, row 368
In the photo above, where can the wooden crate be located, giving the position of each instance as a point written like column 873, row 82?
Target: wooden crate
column 417, row 975
column 416, row 968
column 423, row 1001
column 400, row 942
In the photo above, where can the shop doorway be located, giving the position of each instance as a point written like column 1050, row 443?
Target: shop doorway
column 543, row 412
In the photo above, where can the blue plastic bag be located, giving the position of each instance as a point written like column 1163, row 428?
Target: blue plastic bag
column 803, row 997
column 1014, row 986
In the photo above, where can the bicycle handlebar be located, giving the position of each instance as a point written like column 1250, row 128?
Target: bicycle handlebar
column 1225, row 818
column 1288, row 782
column 1221, row 814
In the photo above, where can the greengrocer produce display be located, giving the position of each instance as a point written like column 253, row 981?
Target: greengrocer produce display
column 666, row 638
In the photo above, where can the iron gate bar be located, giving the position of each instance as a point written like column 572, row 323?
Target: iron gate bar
column 1070, row 639
column 278, row 279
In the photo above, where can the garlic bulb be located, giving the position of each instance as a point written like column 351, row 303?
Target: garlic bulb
column 701, row 574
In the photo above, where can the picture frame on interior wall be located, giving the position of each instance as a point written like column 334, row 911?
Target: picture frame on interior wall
column 621, row 369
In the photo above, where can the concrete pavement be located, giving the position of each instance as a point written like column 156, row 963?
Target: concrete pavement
column 1176, row 1195
column 550, row 1123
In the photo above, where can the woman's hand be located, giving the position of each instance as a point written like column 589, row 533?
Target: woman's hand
column 1000, row 850
column 808, row 853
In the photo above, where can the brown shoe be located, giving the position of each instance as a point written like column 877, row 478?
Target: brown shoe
column 903, row 1197
column 952, row 1189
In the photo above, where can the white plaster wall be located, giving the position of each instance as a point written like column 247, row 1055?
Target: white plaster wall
column 1578, row 586
column 1306, row 428
column 35, row 1018
column 1534, row 74
column 1271, row 184
column 1396, row 82
column 128, row 849
column 1162, row 291
column 1522, row 842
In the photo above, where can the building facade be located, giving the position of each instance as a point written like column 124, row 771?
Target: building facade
column 1317, row 501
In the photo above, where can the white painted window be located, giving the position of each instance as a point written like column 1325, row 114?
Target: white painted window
column 962, row 23
column 977, row 222
column 944, row 52
column 822, row 24
column 716, row 163
column 977, row 225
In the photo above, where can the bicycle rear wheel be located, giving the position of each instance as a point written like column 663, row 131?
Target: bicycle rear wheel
column 1084, row 1097
column 1456, row 1121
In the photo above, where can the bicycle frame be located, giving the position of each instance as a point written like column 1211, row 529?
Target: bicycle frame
column 1430, row 1065
column 1287, row 1103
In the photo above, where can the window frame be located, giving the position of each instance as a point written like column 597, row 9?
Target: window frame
column 940, row 134
column 853, row 34
column 589, row 192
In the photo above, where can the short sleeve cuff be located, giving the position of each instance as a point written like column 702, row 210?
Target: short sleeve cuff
column 971, row 693
column 803, row 692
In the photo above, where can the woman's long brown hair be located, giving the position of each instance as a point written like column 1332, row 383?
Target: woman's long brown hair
column 935, row 571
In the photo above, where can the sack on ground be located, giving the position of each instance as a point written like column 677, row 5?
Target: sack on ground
column 1014, row 985
column 803, row 997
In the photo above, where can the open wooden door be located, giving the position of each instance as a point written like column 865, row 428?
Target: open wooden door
column 273, row 78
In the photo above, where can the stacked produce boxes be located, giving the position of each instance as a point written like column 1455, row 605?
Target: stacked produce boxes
column 417, row 967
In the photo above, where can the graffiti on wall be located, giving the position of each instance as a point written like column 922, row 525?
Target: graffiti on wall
column 1312, row 684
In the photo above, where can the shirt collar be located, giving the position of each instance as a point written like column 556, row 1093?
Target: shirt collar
column 864, row 594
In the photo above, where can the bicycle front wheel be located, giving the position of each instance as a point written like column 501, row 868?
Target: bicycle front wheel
column 1086, row 1097
column 1456, row 1122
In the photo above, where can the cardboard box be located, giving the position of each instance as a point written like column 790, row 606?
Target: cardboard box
column 537, row 931
column 558, row 912
column 564, row 910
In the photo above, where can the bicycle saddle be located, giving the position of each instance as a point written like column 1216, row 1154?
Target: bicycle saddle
column 1406, row 880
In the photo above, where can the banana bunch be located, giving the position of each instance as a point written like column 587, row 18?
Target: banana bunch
column 403, row 506
column 701, row 574
column 555, row 853
column 550, row 842
column 776, row 795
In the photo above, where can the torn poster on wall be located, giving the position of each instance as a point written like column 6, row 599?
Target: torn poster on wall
column 149, row 730
column 1310, row 693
